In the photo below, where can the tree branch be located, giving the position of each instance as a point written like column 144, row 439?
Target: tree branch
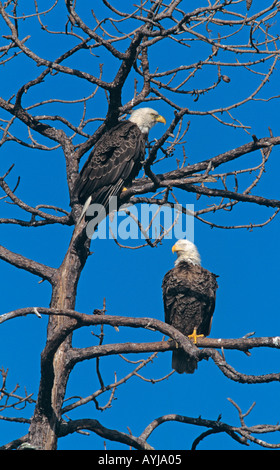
column 178, row 178
column 111, row 434
column 21, row 262
column 65, row 220
column 77, row 355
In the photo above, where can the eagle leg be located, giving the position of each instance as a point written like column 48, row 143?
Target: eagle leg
column 194, row 336
column 170, row 340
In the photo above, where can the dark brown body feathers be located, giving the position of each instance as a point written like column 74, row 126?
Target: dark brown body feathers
column 113, row 163
column 189, row 295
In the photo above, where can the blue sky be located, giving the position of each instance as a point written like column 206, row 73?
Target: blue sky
column 130, row 280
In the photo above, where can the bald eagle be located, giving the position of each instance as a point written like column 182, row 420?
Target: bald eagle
column 115, row 160
column 189, row 295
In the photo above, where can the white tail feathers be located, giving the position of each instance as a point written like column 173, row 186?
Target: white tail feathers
column 85, row 208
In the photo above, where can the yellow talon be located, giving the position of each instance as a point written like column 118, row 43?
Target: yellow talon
column 194, row 336
column 124, row 189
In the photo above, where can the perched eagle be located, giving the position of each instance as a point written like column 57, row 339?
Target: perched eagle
column 115, row 160
column 189, row 294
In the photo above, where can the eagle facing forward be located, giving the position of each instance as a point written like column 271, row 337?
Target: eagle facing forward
column 189, row 295
column 115, row 160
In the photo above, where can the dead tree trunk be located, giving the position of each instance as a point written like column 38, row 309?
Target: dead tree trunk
column 54, row 364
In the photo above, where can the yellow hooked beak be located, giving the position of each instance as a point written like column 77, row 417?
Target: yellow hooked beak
column 160, row 118
column 175, row 248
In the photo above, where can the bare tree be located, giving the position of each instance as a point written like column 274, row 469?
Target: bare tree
column 215, row 41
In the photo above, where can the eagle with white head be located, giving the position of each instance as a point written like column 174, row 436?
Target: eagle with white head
column 189, row 295
column 115, row 160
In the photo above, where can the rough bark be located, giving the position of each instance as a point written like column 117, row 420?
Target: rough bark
column 43, row 431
